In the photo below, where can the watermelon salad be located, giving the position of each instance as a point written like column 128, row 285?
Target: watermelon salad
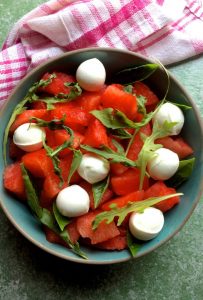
column 97, row 164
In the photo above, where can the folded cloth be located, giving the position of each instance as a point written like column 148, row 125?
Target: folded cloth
column 165, row 29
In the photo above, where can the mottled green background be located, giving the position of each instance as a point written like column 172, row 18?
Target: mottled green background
column 173, row 272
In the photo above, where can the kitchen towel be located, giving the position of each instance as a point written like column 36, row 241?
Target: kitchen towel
column 168, row 30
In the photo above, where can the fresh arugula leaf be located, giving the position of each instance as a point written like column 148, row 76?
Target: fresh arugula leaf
column 60, row 219
column 128, row 88
column 135, row 73
column 132, row 245
column 52, row 125
column 18, row 110
column 183, row 173
column 182, row 106
column 53, row 153
column 141, row 101
column 98, row 190
column 75, row 247
column 48, row 220
column 148, row 150
column 110, row 154
column 44, row 215
column 119, row 147
column 20, row 107
column 120, row 133
column 122, row 212
column 115, row 119
column 32, row 197
column 77, row 157
column 55, row 161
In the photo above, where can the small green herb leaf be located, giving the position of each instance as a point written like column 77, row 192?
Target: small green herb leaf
column 77, row 157
column 120, row 133
column 98, row 190
column 44, row 215
column 75, row 247
column 147, row 151
column 182, row 106
column 183, row 173
column 60, row 219
column 135, row 73
column 132, row 245
column 32, row 197
column 121, row 213
column 110, row 154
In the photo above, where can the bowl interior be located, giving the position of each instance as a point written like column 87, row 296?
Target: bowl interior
column 113, row 60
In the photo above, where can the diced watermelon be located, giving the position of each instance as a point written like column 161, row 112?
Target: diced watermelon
column 118, row 169
column 65, row 164
column 61, row 135
column 15, row 152
column 13, row 180
column 138, row 142
column 88, row 101
column 73, row 116
column 56, row 86
column 103, row 232
column 38, row 163
column 73, row 232
column 38, row 105
column 141, row 89
column 117, row 243
column 177, row 145
column 96, row 134
column 128, row 182
column 88, row 187
column 159, row 189
column 114, row 96
column 25, row 117
column 50, row 190
column 52, row 237
column 122, row 201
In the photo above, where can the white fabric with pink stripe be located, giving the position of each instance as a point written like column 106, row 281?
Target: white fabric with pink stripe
column 168, row 30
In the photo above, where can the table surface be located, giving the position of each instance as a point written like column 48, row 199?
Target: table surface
column 174, row 271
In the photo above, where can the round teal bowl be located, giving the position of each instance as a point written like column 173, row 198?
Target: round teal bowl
column 114, row 60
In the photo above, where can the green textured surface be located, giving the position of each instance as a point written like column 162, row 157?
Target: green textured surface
column 174, row 271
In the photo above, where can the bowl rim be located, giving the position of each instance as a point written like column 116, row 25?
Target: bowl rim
column 90, row 261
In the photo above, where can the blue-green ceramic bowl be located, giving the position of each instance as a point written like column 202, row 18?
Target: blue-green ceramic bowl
column 113, row 60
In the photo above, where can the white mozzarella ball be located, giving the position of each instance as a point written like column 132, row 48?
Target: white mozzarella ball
column 91, row 75
column 93, row 168
column 147, row 225
column 28, row 137
column 171, row 113
column 73, row 201
column 163, row 164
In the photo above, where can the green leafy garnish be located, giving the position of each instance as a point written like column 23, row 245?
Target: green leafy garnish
column 135, row 73
column 115, row 119
column 60, row 219
column 53, row 153
column 32, row 197
column 20, row 107
column 44, row 215
column 183, row 173
column 182, row 106
column 141, row 100
column 77, row 157
column 122, row 212
column 132, row 245
column 120, row 133
column 98, row 190
column 55, row 161
column 148, row 150
column 75, row 247
column 110, row 154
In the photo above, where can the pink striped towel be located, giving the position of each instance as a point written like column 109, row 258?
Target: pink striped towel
column 168, row 30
